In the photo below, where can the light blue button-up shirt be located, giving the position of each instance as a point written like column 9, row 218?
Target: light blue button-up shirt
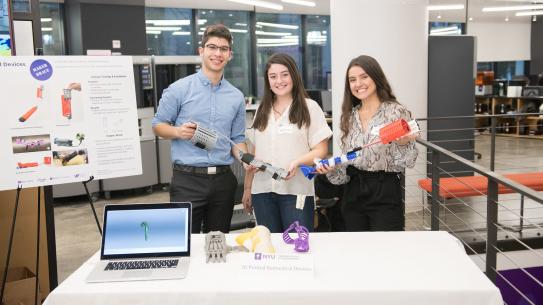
column 220, row 108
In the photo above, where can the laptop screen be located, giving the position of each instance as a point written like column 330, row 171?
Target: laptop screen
column 146, row 232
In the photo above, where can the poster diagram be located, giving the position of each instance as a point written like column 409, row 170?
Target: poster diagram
column 67, row 118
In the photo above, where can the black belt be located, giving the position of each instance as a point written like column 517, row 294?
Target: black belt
column 212, row 170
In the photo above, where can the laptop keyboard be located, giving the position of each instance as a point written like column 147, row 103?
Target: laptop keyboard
column 147, row 264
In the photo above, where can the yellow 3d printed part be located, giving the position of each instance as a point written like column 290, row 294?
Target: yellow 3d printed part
column 260, row 238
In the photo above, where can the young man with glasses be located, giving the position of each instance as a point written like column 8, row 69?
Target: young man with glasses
column 200, row 176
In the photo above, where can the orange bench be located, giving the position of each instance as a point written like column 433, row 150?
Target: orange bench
column 457, row 187
column 468, row 186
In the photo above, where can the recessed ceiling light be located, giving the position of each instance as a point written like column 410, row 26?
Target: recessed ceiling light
column 438, row 16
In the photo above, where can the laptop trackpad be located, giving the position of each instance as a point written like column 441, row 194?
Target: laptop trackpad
column 137, row 273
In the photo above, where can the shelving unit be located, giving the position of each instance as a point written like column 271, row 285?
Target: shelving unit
column 524, row 127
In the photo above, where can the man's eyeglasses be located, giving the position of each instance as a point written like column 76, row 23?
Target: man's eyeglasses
column 214, row 48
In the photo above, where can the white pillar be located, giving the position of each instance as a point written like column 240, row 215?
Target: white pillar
column 396, row 34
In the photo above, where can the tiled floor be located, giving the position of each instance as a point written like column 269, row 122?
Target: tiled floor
column 77, row 236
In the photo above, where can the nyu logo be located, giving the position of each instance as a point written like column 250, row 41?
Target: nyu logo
column 262, row 256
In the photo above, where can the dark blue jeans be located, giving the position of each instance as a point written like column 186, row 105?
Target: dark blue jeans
column 278, row 212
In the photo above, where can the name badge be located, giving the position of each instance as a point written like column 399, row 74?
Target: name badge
column 285, row 129
column 375, row 130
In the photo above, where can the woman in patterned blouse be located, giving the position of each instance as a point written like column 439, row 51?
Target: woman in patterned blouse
column 373, row 196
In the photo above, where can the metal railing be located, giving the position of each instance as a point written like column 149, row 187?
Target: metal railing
column 490, row 228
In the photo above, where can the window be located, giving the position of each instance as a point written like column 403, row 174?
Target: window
column 5, row 40
column 276, row 33
column 505, row 69
column 446, row 28
column 52, row 28
column 169, row 31
column 317, row 51
column 238, row 70
column 20, row 6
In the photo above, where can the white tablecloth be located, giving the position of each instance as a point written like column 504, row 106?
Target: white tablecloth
column 350, row 268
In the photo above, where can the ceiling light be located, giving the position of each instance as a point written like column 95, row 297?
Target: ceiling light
column 46, row 29
column 512, row 8
column 163, row 28
column 531, row 13
column 259, row 3
column 446, row 7
column 438, row 16
column 153, row 32
column 202, row 21
column 168, row 22
column 300, row 2
column 46, row 19
column 470, row 18
column 506, row 19
column 277, row 25
column 240, row 24
column 238, row 31
column 181, row 33
column 271, row 33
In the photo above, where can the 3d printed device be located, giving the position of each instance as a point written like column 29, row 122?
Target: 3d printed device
column 63, row 142
column 216, row 247
column 301, row 244
column 387, row 134
column 206, row 138
column 277, row 173
column 260, row 238
column 66, row 100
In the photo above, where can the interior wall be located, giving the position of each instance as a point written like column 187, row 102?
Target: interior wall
column 399, row 42
column 501, row 41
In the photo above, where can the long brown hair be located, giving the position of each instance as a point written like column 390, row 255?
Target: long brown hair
column 384, row 91
column 299, row 114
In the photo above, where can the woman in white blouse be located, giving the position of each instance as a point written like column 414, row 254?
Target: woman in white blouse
column 289, row 130
column 372, row 200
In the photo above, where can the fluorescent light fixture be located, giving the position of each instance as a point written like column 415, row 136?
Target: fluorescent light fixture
column 445, row 7
column 259, row 3
column 531, row 13
column 202, row 21
column 300, row 2
column 456, row 32
column 163, row 28
column 181, row 33
column 512, row 8
column 153, row 32
column 267, row 45
column 46, row 29
column 446, row 29
column 276, row 40
column 240, row 24
column 271, row 33
column 46, row 19
column 238, row 31
column 168, row 22
column 277, row 25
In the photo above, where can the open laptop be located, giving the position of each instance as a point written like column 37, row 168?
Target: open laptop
column 144, row 242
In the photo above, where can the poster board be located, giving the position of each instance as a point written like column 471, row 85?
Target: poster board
column 67, row 118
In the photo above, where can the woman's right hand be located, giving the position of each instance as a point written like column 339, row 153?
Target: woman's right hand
column 322, row 169
column 246, row 200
